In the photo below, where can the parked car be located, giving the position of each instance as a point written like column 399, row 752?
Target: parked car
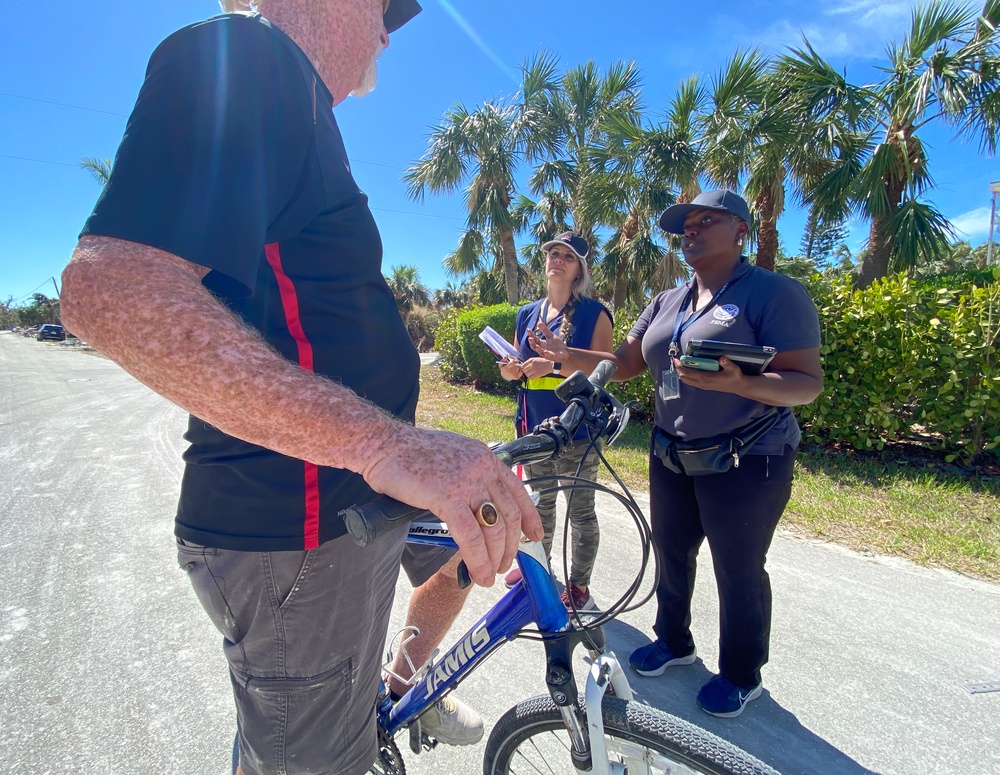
column 50, row 331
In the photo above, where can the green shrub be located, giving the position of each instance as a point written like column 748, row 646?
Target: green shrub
column 904, row 360
column 422, row 327
column 639, row 389
column 867, row 362
column 480, row 362
column 909, row 360
column 960, row 392
column 447, row 345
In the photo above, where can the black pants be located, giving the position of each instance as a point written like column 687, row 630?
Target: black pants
column 737, row 512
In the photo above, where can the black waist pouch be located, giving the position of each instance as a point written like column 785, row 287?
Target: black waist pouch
column 714, row 455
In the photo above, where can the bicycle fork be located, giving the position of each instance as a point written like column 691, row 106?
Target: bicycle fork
column 589, row 750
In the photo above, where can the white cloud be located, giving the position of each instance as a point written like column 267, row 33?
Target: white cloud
column 827, row 41
column 871, row 13
column 974, row 223
column 850, row 29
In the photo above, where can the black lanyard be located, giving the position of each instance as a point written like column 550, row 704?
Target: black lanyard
column 681, row 325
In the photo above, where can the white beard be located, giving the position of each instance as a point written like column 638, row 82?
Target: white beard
column 367, row 85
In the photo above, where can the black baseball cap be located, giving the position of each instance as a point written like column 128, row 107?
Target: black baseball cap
column 721, row 199
column 573, row 241
column 399, row 13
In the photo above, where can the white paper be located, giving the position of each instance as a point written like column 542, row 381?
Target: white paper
column 498, row 344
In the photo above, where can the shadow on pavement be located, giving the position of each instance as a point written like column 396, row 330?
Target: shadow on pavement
column 765, row 729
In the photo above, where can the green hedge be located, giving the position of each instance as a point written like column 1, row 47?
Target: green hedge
column 909, row 360
column 448, row 347
column 903, row 360
column 640, row 389
column 464, row 358
column 479, row 361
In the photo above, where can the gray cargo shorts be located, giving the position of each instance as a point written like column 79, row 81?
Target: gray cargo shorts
column 303, row 632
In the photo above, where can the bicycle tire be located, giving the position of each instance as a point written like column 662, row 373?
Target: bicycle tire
column 648, row 740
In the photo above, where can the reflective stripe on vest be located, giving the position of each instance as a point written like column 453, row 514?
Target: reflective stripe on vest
column 544, row 383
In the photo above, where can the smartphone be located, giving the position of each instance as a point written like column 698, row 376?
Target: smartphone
column 704, row 364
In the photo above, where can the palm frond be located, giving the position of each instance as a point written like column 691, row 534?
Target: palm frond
column 918, row 230
column 99, row 168
column 539, row 79
column 469, row 256
column 554, row 173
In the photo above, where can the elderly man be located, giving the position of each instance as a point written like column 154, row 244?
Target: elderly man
column 232, row 265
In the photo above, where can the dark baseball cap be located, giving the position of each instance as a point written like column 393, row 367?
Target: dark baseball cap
column 399, row 13
column 573, row 241
column 721, row 199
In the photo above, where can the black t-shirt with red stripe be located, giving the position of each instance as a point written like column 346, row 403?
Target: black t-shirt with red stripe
column 232, row 159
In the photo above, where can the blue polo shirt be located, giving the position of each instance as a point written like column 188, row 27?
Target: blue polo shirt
column 758, row 307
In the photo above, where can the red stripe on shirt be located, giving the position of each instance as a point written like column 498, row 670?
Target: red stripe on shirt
column 290, row 305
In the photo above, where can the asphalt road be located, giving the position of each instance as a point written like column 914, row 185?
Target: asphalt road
column 109, row 666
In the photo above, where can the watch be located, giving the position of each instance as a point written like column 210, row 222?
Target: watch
column 556, row 368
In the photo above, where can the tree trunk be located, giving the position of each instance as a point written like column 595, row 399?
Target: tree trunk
column 629, row 229
column 875, row 264
column 767, row 231
column 628, row 232
column 510, row 265
column 621, row 289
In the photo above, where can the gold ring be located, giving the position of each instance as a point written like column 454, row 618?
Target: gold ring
column 487, row 515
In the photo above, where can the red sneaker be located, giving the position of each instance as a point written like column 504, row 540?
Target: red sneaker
column 582, row 599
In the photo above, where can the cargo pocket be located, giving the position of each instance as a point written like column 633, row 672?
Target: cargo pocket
column 309, row 721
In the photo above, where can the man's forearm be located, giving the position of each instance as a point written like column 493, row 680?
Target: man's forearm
column 148, row 311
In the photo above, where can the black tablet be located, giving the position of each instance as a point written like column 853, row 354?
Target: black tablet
column 751, row 358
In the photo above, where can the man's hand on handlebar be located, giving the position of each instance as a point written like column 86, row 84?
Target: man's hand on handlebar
column 452, row 476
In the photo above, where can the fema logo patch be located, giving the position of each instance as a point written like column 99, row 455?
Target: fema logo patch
column 726, row 312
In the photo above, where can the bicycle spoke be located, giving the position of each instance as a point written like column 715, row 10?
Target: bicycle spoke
column 544, row 758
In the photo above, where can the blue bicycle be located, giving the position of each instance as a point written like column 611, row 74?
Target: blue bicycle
column 558, row 732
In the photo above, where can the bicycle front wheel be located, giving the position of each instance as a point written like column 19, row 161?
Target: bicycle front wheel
column 531, row 738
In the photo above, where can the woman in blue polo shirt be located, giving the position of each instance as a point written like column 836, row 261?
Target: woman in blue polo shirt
column 737, row 510
column 586, row 323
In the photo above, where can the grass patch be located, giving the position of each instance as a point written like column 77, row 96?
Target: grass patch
column 890, row 507
column 905, row 508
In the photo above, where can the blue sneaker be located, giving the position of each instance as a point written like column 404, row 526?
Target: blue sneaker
column 656, row 657
column 721, row 697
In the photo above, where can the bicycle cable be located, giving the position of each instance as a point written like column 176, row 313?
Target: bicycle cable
column 624, row 604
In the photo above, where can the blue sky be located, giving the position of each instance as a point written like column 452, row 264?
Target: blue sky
column 71, row 74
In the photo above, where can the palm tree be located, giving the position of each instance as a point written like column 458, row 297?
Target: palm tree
column 579, row 111
column 637, row 167
column 404, row 282
column 541, row 220
column 485, row 148
column 748, row 131
column 948, row 68
column 453, row 296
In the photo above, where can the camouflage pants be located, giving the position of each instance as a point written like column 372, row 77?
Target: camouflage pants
column 584, row 529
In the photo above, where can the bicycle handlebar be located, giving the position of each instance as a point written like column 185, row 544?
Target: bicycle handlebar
column 586, row 402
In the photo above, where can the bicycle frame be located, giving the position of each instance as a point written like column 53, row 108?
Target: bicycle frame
column 534, row 599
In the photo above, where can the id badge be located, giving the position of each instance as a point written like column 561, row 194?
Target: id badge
column 670, row 384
